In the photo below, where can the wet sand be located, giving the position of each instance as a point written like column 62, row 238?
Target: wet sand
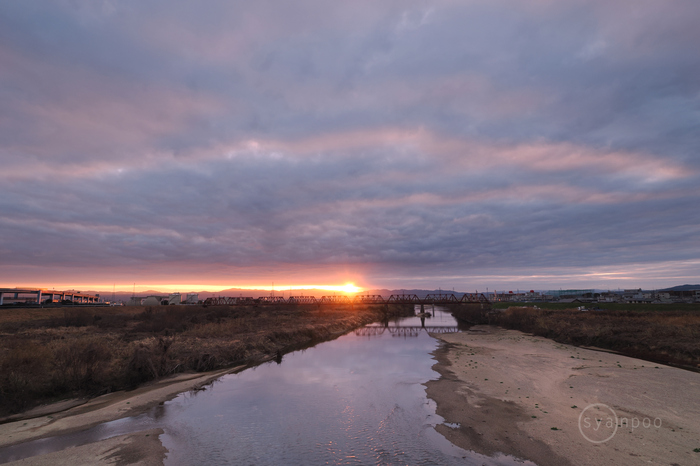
column 116, row 405
column 138, row 448
column 524, row 396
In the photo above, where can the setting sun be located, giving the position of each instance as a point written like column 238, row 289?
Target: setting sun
column 347, row 288
column 350, row 288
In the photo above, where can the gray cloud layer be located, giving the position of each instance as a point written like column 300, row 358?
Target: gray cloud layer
column 400, row 141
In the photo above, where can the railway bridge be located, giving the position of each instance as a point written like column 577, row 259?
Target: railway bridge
column 430, row 299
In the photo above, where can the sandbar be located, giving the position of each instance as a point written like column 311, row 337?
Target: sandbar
column 506, row 391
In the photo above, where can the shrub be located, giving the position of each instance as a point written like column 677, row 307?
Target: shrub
column 149, row 361
column 22, row 369
column 80, row 363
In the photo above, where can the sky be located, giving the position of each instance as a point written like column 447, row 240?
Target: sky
column 467, row 144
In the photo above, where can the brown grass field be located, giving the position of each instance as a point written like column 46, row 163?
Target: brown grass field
column 48, row 354
column 55, row 353
column 664, row 333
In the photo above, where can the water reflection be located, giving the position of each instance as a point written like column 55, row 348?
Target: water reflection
column 355, row 400
column 436, row 321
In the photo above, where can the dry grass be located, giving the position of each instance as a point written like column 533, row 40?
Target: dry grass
column 671, row 336
column 48, row 354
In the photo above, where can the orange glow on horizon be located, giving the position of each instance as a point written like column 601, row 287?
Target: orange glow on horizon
column 182, row 288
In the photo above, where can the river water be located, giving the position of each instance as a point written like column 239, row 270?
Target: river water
column 359, row 399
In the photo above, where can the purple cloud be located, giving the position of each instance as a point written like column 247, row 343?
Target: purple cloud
column 533, row 142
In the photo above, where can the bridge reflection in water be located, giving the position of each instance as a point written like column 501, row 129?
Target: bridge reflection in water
column 412, row 331
column 396, row 329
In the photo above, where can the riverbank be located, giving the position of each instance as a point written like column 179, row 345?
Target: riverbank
column 54, row 354
column 668, row 334
column 136, row 449
column 78, row 414
column 91, row 412
column 524, row 395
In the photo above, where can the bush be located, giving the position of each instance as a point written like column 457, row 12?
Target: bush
column 22, row 369
column 80, row 364
column 149, row 361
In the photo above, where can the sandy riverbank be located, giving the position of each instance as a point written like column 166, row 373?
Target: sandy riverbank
column 136, row 449
column 524, row 396
column 144, row 446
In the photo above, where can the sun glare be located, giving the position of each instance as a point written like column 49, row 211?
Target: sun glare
column 350, row 288
column 347, row 288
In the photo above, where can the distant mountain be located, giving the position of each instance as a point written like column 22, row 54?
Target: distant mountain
column 682, row 288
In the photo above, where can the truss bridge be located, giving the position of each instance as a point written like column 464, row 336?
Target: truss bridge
column 436, row 299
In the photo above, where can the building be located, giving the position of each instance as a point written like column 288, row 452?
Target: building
column 43, row 295
column 135, row 301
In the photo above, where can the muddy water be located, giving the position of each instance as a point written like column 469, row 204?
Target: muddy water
column 355, row 400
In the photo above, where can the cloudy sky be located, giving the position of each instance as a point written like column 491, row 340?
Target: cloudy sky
column 466, row 144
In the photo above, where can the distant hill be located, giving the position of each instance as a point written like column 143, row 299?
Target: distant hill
column 682, row 288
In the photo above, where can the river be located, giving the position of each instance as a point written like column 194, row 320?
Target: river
column 359, row 399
